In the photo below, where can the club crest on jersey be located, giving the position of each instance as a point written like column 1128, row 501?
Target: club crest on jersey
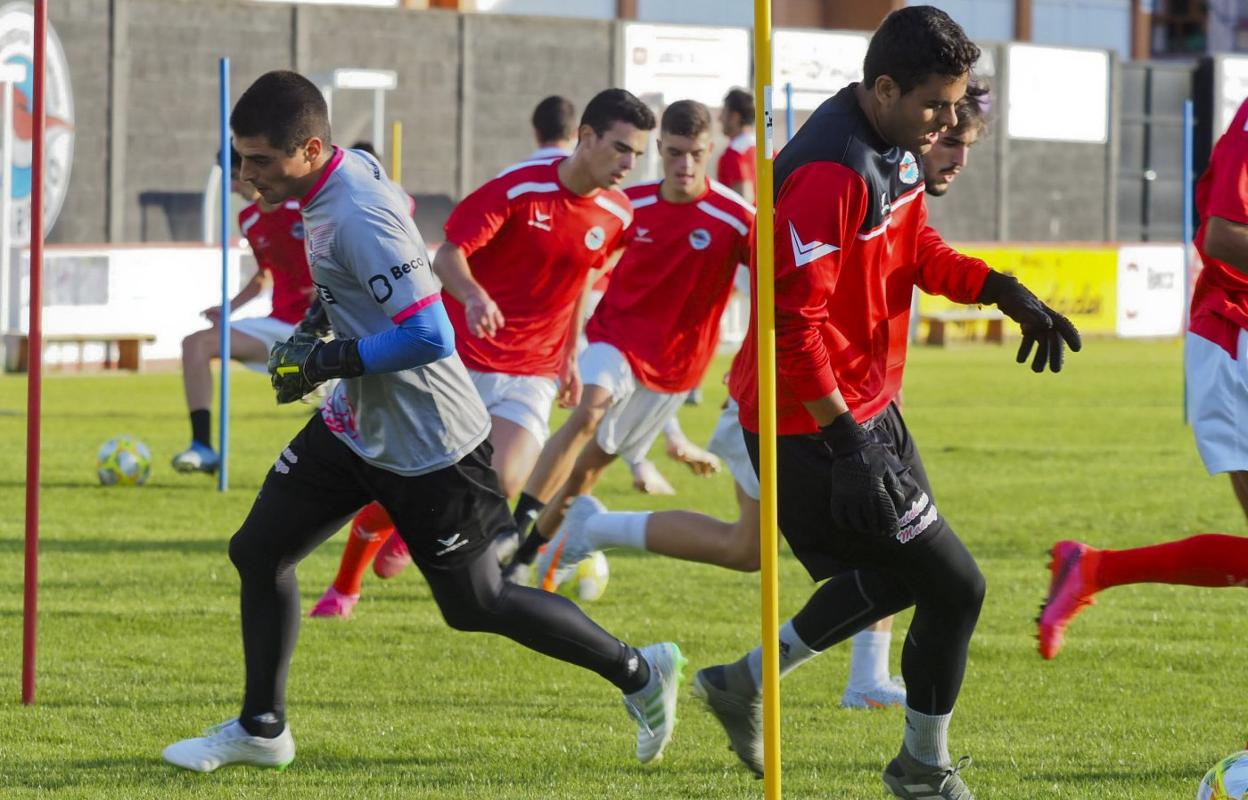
column 699, row 238
column 296, row 231
column 595, row 238
column 908, row 171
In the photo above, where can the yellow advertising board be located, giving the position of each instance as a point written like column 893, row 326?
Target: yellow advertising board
column 1080, row 282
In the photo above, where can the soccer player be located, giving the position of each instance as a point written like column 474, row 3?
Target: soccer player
column 854, row 501
column 1217, row 349
column 736, row 163
column 404, row 426
column 519, row 256
column 275, row 232
column 652, row 336
column 554, row 128
column 735, row 545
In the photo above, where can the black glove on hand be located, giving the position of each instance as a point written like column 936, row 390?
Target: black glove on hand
column 303, row 361
column 1041, row 325
column 315, row 320
column 866, row 495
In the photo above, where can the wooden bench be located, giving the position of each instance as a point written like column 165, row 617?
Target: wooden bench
column 937, row 320
column 129, row 348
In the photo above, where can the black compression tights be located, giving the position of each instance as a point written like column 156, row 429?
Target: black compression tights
column 472, row 597
column 941, row 580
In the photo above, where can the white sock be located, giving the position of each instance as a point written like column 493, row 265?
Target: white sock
column 617, row 529
column 927, row 737
column 793, row 653
column 868, row 667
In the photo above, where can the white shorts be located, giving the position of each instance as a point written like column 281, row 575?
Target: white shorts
column 728, row 443
column 1217, row 397
column 523, row 399
column 637, row 414
column 268, row 330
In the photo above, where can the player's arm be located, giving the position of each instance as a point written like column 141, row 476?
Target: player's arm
column 473, row 223
column 1227, row 241
column 249, row 291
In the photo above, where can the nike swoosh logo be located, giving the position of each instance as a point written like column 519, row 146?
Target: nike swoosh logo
column 806, row 252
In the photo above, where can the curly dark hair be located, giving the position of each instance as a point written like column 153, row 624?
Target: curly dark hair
column 916, row 42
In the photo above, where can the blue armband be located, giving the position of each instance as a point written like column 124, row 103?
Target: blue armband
column 422, row 338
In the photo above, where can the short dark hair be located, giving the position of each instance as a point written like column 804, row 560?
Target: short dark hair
column 972, row 109
column 617, row 105
column 284, row 107
column 742, row 102
column 366, row 146
column 554, row 119
column 236, row 160
column 916, row 42
column 686, row 118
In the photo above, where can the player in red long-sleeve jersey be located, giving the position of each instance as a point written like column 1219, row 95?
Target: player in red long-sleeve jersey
column 854, row 501
column 1217, row 357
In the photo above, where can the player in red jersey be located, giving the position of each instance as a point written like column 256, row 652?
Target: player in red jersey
column 735, row 545
column 736, row 163
column 554, row 128
column 520, row 254
column 652, row 336
column 853, row 499
column 275, row 233
column 1217, row 352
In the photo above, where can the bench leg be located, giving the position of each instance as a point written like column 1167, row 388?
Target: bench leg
column 935, row 333
column 996, row 331
column 129, row 355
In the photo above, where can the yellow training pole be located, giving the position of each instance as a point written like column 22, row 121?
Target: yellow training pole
column 764, row 302
column 396, row 153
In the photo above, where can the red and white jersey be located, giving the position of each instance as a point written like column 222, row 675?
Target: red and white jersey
column 1220, row 297
column 736, row 163
column 531, row 244
column 669, row 290
column 276, row 239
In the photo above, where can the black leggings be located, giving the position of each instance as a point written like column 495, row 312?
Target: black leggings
column 870, row 578
column 305, row 499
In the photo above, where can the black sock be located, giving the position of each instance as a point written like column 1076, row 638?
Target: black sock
column 267, row 726
column 527, row 509
column 528, row 548
column 201, row 426
column 637, row 672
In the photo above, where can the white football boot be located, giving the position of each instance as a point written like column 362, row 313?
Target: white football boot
column 230, row 743
column 654, row 706
column 558, row 559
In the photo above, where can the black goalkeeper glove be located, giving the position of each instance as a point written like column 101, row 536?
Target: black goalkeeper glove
column 1042, row 327
column 866, row 495
column 302, row 362
column 315, row 320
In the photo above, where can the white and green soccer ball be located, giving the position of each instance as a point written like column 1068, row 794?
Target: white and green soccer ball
column 123, row 461
column 1228, row 780
column 589, row 582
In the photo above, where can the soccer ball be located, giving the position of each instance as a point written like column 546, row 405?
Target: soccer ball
column 1228, row 780
column 590, row 580
column 123, row 461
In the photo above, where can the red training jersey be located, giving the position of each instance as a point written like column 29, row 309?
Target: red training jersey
column 1220, row 297
column 669, row 290
column 736, row 163
column 276, row 239
column 531, row 244
column 852, row 240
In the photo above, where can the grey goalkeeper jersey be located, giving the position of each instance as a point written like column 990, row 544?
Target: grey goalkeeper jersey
column 371, row 270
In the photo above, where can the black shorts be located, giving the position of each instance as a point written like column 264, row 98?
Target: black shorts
column 445, row 517
column 803, row 467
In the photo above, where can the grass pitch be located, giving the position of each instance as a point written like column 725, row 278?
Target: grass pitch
column 139, row 641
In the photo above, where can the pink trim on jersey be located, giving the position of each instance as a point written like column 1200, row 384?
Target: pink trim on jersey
column 411, row 310
column 334, row 161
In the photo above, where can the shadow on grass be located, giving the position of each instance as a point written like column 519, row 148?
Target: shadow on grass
column 88, row 484
column 98, row 546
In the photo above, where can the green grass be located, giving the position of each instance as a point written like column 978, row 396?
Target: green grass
column 139, row 640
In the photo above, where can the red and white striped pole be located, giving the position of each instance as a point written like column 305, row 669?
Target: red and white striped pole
column 34, row 383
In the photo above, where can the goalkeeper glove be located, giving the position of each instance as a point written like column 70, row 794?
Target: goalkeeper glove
column 302, row 362
column 866, row 494
column 1042, row 327
column 315, row 320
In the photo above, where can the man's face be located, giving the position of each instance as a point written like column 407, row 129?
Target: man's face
column 277, row 176
column 684, row 160
column 612, row 155
column 947, row 158
column 729, row 122
column 915, row 120
column 242, row 188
